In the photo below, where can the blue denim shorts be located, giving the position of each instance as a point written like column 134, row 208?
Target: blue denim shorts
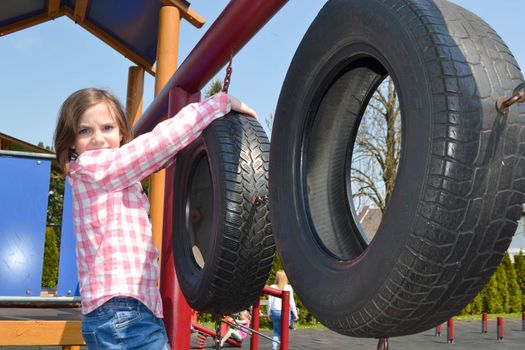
column 123, row 323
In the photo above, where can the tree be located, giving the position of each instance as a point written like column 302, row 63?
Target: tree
column 519, row 267
column 269, row 122
column 513, row 288
column 214, row 88
column 50, row 269
column 475, row 306
column 377, row 149
column 56, row 199
column 491, row 298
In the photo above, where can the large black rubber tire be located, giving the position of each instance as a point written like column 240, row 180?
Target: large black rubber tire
column 221, row 207
column 461, row 177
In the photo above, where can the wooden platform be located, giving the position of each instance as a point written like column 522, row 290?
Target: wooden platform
column 41, row 327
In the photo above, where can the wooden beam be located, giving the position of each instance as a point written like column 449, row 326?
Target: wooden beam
column 186, row 12
column 25, row 23
column 53, row 8
column 80, row 11
column 40, row 333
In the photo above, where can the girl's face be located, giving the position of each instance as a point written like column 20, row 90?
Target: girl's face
column 97, row 129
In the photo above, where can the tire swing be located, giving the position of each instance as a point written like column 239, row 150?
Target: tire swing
column 222, row 239
column 460, row 179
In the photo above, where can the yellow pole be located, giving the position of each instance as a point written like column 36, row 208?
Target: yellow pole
column 167, row 52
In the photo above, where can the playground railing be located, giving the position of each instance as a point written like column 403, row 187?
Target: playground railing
column 256, row 314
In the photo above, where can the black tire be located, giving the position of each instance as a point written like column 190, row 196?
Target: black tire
column 460, row 183
column 221, row 207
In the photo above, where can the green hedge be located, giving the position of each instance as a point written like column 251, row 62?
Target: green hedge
column 505, row 292
column 50, row 270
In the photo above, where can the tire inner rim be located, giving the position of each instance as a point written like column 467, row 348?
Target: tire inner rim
column 328, row 149
column 199, row 209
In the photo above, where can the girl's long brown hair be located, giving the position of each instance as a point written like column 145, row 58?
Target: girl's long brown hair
column 69, row 116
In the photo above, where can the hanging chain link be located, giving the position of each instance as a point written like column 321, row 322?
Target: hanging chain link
column 226, row 84
column 518, row 96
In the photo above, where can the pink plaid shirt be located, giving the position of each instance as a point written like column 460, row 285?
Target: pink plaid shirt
column 115, row 251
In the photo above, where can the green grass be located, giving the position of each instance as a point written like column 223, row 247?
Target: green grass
column 490, row 316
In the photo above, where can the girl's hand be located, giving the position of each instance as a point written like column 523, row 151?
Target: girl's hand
column 240, row 107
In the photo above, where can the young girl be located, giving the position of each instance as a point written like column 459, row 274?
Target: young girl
column 238, row 333
column 116, row 258
column 275, row 306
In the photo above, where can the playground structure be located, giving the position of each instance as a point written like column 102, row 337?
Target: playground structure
column 449, row 220
column 184, row 87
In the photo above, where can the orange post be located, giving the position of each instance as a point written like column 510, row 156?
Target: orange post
column 174, row 304
column 135, row 94
column 169, row 27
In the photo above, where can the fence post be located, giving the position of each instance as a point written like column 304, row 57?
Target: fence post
column 256, row 312
column 285, row 319
column 500, row 332
column 439, row 328
column 484, row 323
column 450, row 331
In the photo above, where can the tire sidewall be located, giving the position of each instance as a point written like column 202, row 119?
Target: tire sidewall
column 193, row 279
column 386, row 38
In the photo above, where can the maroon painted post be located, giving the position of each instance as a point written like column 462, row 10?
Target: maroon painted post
column 523, row 321
column 500, row 332
column 450, row 331
column 177, row 312
column 439, row 328
column 484, row 322
column 285, row 320
column 256, row 312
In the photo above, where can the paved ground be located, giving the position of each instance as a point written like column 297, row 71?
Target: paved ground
column 468, row 337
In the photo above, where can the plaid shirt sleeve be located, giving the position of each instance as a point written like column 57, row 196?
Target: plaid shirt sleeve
column 118, row 168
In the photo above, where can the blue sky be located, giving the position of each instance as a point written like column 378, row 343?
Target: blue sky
column 42, row 65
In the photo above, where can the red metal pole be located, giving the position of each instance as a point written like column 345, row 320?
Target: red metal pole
column 439, row 329
column 523, row 321
column 500, row 332
column 236, row 25
column 256, row 312
column 484, row 323
column 285, row 319
column 177, row 312
column 450, row 331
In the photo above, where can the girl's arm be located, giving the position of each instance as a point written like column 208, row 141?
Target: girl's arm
column 120, row 167
column 293, row 307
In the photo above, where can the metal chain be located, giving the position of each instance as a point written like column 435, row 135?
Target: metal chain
column 382, row 344
column 518, row 95
column 226, row 84
column 218, row 319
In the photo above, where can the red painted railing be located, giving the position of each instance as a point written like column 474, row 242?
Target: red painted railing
column 256, row 311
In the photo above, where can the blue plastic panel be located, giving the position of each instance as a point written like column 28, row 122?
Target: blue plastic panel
column 12, row 11
column 23, row 207
column 67, row 270
column 133, row 23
